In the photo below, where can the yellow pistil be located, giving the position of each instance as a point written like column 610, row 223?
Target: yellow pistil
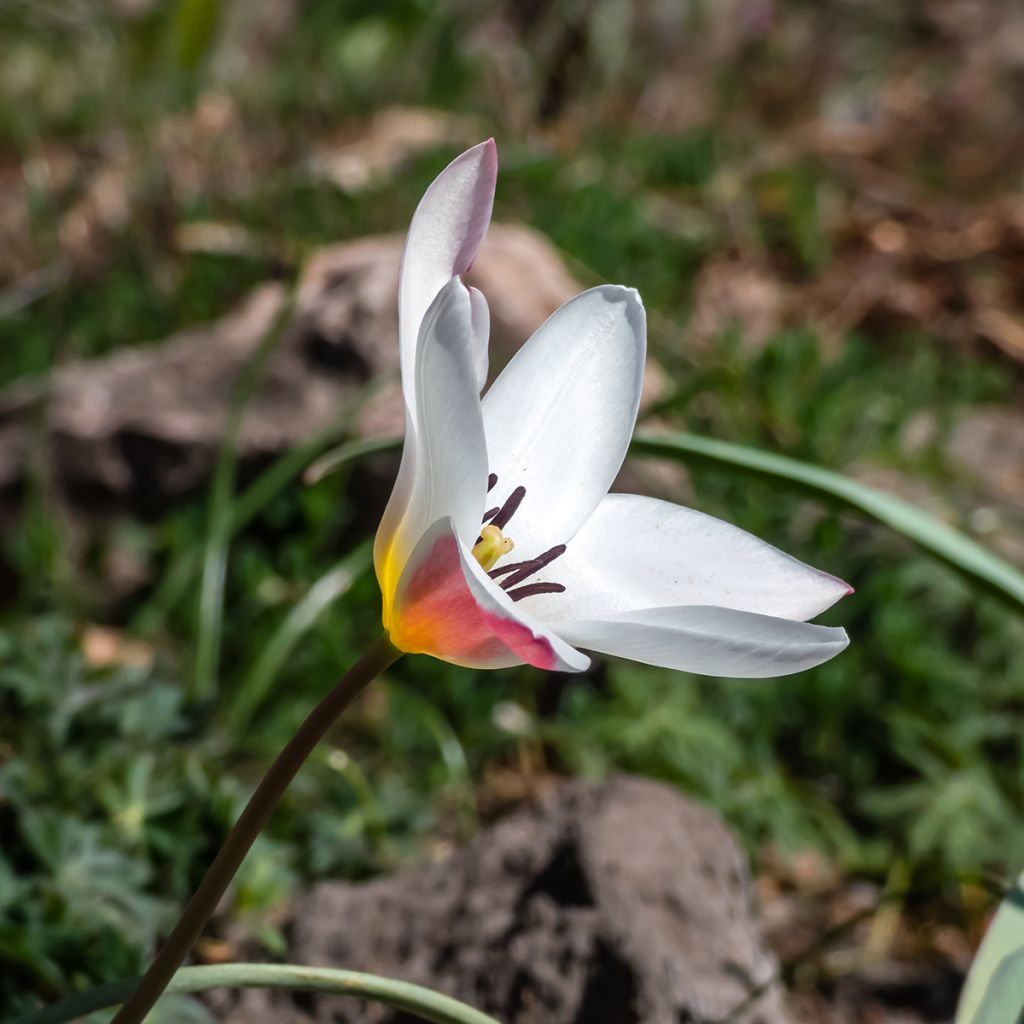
column 493, row 544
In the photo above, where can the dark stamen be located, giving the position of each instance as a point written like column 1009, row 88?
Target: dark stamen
column 524, row 570
column 492, row 479
column 508, row 510
column 535, row 588
column 503, row 569
column 490, row 513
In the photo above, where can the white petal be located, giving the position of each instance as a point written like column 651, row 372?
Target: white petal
column 446, row 231
column 559, row 417
column 638, row 552
column 444, row 461
column 709, row 641
column 482, row 331
column 446, row 606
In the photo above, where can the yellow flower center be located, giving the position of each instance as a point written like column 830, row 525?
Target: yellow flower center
column 493, row 544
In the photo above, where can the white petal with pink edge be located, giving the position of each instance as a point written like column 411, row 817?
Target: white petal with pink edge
column 708, row 641
column 446, row 606
column 445, row 455
column 639, row 552
column 446, row 231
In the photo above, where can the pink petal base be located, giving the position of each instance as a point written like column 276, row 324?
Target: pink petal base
column 437, row 614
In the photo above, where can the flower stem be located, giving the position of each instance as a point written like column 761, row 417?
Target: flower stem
column 263, row 801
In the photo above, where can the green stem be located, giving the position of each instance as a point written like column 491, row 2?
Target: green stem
column 200, row 908
column 400, row 995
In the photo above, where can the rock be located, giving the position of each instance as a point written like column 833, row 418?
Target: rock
column 989, row 445
column 615, row 902
column 144, row 425
column 739, row 295
column 390, row 138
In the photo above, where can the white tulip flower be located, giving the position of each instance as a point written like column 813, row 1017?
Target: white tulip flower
column 501, row 544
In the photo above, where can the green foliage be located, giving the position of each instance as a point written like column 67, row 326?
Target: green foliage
column 115, row 787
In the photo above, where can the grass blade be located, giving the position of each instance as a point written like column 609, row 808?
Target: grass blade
column 210, row 619
column 302, row 617
column 449, row 746
column 341, row 456
column 400, row 995
column 944, row 542
column 250, row 502
column 950, row 545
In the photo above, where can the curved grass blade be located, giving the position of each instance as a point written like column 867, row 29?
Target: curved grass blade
column 949, row 545
column 303, row 616
column 250, row 502
column 258, row 680
column 944, row 542
column 452, row 752
column 400, row 995
column 210, row 619
column 338, row 457
column 1003, row 945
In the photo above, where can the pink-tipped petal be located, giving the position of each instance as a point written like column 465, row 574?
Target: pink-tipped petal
column 444, row 461
column 709, row 641
column 446, row 606
column 639, row 552
column 446, row 231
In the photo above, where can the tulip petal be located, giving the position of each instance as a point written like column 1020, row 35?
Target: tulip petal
column 446, row 606
column 708, row 641
column 639, row 552
column 444, row 460
column 559, row 417
column 446, row 231
column 482, row 331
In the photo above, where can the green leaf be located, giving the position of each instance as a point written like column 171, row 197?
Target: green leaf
column 944, row 542
column 400, row 995
column 956, row 549
column 194, row 30
column 271, row 659
column 994, row 990
column 210, row 615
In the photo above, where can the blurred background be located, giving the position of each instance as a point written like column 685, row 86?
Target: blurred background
column 821, row 205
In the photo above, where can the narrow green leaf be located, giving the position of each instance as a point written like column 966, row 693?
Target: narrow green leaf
column 255, row 498
column 194, row 30
column 210, row 619
column 332, row 461
column 996, row 977
column 452, row 752
column 935, row 537
column 428, row 1005
column 949, row 545
column 320, row 596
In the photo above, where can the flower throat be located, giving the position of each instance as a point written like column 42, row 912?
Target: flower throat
column 492, row 545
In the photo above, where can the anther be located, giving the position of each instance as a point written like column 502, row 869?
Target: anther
column 524, row 570
column 508, row 510
column 491, row 513
column 535, row 588
column 491, row 546
column 492, row 479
